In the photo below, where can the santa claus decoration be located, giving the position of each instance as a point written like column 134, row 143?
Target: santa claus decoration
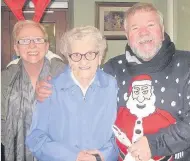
column 140, row 117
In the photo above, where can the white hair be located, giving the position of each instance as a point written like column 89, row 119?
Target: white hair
column 79, row 33
column 148, row 7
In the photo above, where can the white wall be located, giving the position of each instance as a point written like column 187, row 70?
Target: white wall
column 182, row 24
column 84, row 14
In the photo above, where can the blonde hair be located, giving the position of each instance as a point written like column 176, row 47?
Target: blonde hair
column 20, row 24
column 148, row 7
column 79, row 33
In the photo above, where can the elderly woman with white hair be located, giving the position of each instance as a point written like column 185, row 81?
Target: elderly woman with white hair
column 75, row 122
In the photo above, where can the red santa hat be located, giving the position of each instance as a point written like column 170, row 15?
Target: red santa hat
column 142, row 79
column 17, row 5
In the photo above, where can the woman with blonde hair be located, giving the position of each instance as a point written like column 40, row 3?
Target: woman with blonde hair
column 18, row 86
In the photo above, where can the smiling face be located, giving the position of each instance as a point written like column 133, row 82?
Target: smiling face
column 141, row 93
column 141, row 101
column 145, row 34
column 84, row 69
column 32, row 53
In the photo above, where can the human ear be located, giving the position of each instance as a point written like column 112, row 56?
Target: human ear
column 163, row 32
column 100, row 60
column 16, row 49
column 47, row 46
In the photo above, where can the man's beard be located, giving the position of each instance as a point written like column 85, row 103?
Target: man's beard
column 146, row 56
column 149, row 107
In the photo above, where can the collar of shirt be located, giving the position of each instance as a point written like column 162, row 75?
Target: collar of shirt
column 77, row 83
column 99, row 80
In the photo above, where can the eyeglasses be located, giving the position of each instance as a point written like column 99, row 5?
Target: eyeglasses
column 76, row 57
column 27, row 41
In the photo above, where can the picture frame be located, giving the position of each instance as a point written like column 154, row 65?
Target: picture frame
column 109, row 18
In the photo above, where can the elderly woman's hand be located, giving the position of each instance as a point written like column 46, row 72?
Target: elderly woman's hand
column 92, row 152
column 85, row 156
column 43, row 89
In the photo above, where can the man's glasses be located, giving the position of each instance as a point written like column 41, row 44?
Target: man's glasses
column 27, row 41
column 76, row 57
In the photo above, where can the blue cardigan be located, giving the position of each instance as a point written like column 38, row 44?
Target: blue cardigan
column 68, row 122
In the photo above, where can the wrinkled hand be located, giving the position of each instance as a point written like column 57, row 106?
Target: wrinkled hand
column 140, row 150
column 84, row 156
column 43, row 89
column 96, row 152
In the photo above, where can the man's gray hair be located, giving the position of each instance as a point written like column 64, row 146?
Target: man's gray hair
column 79, row 33
column 142, row 7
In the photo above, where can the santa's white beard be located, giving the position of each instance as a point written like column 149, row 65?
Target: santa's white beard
column 144, row 112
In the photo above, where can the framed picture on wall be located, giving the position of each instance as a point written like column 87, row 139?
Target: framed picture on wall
column 109, row 18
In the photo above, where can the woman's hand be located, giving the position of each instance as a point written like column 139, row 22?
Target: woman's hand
column 84, row 156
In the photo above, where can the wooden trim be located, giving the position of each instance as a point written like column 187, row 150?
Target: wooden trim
column 5, row 48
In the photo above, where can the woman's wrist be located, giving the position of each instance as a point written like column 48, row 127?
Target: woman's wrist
column 97, row 156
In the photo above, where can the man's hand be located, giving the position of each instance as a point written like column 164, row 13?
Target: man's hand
column 84, row 156
column 140, row 150
column 121, row 136
column 43, row 89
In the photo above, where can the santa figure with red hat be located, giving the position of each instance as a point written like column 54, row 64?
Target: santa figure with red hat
column 141, row 117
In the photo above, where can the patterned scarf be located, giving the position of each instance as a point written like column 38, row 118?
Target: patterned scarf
column 19, row 108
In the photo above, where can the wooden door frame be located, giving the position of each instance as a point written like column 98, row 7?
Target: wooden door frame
column 5, row 40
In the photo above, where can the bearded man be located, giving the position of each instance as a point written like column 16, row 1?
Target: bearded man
column 150, row 51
